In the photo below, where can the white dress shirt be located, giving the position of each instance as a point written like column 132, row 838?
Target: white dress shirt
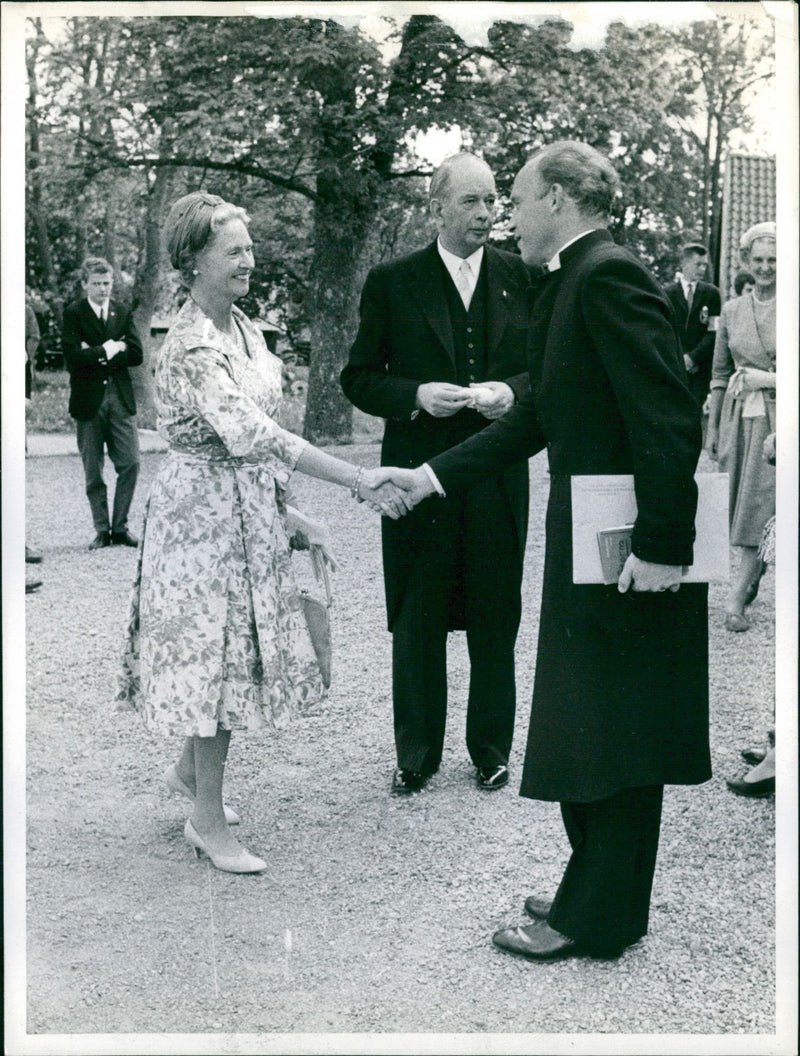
column 466, row 279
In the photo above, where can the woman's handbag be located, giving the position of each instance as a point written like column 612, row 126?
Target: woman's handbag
column 318, row 616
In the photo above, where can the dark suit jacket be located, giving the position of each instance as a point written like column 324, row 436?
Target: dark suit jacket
column 697, row 341
column 621, row 690
column 90, row 370
column 404, row 340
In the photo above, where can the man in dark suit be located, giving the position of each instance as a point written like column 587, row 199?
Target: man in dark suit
column 620, row 704
column 100, row 343
column 697, row 305
column 440, row 351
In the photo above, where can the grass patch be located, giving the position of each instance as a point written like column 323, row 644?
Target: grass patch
column 47, row 412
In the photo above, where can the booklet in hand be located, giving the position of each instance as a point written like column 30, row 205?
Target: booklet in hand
column 603, row 514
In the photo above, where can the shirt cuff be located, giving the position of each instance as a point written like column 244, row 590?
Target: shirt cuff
column 434, row 480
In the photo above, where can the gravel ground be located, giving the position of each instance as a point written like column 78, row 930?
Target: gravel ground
column 376, row 913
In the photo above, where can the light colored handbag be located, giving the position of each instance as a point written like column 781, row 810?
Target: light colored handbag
column 318, row 615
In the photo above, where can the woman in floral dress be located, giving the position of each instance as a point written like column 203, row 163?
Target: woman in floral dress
column 217, row 639
column 742, row 413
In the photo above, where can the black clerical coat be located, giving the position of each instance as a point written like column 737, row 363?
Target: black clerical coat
column 621, row 690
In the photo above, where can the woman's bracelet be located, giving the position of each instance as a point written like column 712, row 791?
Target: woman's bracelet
column 355, row 486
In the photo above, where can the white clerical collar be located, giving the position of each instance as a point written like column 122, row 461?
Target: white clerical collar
column 453, row 263
column 555, row 261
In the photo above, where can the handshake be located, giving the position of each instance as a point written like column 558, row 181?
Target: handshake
column 394, row 492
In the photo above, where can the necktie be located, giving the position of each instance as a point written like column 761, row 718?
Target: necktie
column 464, row 283
column 690, row 295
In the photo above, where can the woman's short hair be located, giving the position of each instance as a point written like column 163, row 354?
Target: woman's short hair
column 191, row 223
column 767, row 229
column 741, row 280
column 586, row 175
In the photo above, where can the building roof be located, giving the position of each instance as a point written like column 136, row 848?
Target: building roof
column 748, row 197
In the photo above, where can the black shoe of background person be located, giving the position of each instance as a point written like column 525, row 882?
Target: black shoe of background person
column 31, row 585
column 123, row 539
column 538, row 908
column 492, row 777
column 101, row 540
column 406, row 781
column 753, row 789
column 31, row 557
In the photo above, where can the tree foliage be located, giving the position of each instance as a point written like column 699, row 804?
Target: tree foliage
column 310, row 126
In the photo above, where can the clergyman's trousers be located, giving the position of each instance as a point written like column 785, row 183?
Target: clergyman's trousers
column 603, row 900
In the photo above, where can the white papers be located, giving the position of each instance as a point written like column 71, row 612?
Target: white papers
column 600, row 502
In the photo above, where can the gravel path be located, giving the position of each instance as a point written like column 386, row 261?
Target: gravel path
column 376, row 913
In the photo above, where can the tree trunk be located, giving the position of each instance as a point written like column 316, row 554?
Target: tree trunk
column 343, row 219
column 34, row 168
column 145, row 292
column 715, row 199
column 110, row 227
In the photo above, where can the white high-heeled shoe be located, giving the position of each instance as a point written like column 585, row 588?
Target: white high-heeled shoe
column 243, row 862
column 175, row 784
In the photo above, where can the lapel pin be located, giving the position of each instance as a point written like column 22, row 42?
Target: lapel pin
column 505, row 293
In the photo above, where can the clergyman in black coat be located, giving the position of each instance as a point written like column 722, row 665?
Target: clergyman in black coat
column 620, row 705
column 423, row 340
column 100, row 343
column 697, row 305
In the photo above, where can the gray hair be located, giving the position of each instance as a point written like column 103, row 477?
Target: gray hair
column 191, row 224
column 440, row 180
column 767, row 229
column 586, row 175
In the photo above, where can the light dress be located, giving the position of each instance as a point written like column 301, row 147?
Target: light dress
column 217, row 637
column 746, row 341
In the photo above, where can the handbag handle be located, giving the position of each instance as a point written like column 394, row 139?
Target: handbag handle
column 320, row 567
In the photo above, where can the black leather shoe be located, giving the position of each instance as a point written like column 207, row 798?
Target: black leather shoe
column 407, row 781
column 539, row 908
column 538, row 942
column 101, row 540
column 31, row 557
column 492, row 777
column 123, row 539
column 754, row 789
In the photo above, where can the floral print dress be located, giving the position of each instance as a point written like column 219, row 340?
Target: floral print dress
column 217, row 636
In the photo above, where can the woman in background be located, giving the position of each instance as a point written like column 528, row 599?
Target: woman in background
column 217, row 638
column 742, row 413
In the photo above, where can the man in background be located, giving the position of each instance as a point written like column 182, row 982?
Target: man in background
column 440, row 352
column 100, row 344
column 697, row 305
